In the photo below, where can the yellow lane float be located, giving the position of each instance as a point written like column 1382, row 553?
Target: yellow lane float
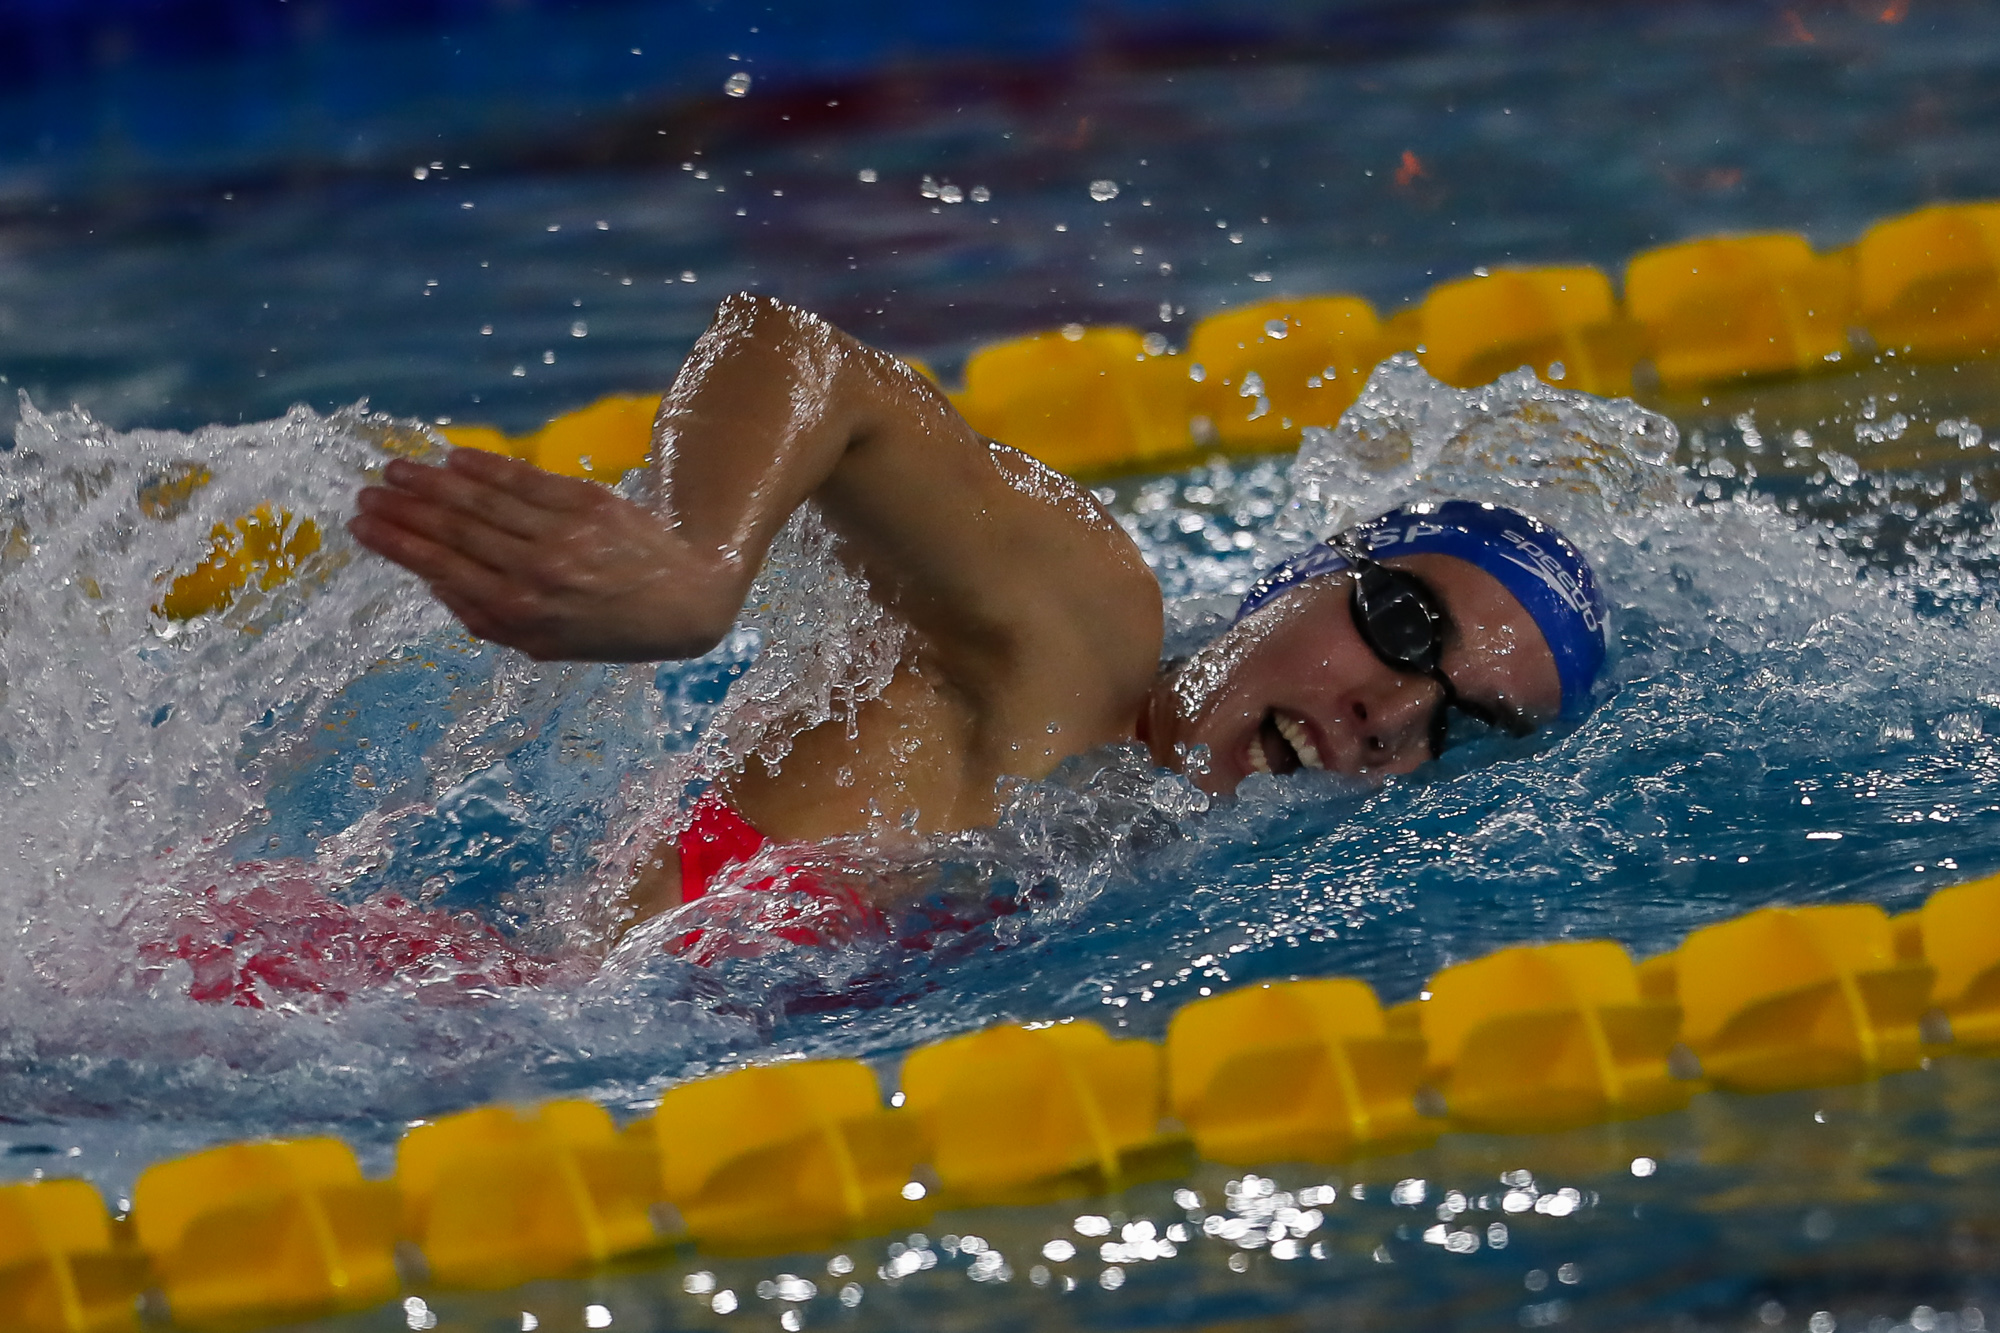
column 1564, row 322
column 1733, row 306
column 280, row 1229
column 1546, row 1036
column 1019, row 1115
column 1796, row 997
column 503, row 1194
column 1081, row 400
column 1102, row 400
column 787, row 1155
column 61, row 1270
column 1928, row 283
column 1294, row 1070
column 779, row 1157
column 265, row 546
column 1268, row 371
column 1958, row 933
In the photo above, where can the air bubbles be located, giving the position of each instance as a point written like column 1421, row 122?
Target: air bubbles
column 737, row 84
column 866, row 176
column 549, row 357
column 1104, row 191
column 421, row 172
column 579, row 329
column 1276, row 329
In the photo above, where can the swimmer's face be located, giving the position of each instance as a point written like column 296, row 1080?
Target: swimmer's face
column 1293, row 685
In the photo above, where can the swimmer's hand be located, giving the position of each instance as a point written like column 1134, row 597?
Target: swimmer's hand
column 557, row 567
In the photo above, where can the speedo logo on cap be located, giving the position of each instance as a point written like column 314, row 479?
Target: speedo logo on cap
column 1382, row 537
column 1552, row 572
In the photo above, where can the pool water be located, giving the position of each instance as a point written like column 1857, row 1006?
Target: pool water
column 1801, row 577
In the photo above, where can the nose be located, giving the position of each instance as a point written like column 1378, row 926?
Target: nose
column 1391, row 716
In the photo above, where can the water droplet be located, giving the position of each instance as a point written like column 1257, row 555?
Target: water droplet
column 950, row 194
column 1103, row 191
column 549, row 358
column 1557, row 372
column 1276, row 329
column 579, row 329
column 1072, row 332
column 867, row 175
column 1155, row 344
column 737, row 84
column 421, row 172
column 486, row 330
column 980, row 194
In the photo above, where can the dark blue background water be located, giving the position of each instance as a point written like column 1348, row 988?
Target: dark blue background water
column 199, row 238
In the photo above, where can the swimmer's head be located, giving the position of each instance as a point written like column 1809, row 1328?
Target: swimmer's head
column 1355, row 655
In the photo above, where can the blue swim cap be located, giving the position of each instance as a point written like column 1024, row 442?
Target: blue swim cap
column 1533, row 561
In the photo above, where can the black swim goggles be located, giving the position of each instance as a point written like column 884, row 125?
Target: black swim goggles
column 1403, row 621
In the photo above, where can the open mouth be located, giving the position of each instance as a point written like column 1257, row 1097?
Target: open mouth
column 1283, row 745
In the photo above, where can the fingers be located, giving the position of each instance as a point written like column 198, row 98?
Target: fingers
column 434, row 562
column 468, row 534
column 455, row 488
column 523, row 482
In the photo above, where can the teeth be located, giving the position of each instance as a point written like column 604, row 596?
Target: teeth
column 1257, row 760
column 1296, row 736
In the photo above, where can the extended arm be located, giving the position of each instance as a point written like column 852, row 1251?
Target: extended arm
column 979, row 548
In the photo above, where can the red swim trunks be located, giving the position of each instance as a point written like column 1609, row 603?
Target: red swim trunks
column 803, row 909
column 281, row 935
column 264, row 933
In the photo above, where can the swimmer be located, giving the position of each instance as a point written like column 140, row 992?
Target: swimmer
column 1036, row 627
